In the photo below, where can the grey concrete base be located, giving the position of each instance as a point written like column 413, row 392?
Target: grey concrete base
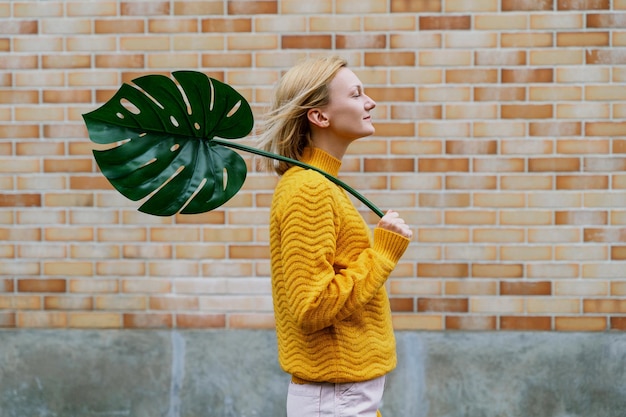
column 60, row 373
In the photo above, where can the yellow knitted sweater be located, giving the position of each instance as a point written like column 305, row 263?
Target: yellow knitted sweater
column 333, row 319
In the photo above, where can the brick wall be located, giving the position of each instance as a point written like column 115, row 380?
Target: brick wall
column 501, row 136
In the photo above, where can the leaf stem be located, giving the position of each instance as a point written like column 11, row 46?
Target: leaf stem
column 232, row 144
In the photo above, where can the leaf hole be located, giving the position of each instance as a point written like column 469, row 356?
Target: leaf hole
column 196, row 125
column 129, row 106
column 234, row 109
column 212, row 95
column 225, row 178
column 184, row 96
column 174, row 121
column 175, row 147
column 119, row 115
column 153, row 160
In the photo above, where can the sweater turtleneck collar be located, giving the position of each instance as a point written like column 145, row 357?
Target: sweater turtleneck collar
column 322, row 160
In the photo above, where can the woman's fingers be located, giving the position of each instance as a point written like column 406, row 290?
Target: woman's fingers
column 393, row 222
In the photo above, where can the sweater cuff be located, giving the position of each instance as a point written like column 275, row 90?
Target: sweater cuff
column 390, row 244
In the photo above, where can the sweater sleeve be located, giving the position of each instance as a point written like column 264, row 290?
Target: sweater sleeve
column 319, row 295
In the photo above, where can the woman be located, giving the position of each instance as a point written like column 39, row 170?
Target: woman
column 333, row 319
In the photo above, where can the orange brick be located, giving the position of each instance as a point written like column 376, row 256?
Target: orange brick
column 555, row 129
column 20, row 200
column 581, row 182
column 618, row 253
column 200, row 321
column 198, row 8
column 252, row 7
column 414, row 322
column 606, row 20
column 443, row 165
column 471, row 76
column 526, row 5
column 583, row 4
column 568, row 39
column 7, row 320
column 471, row 322
column 553, row 164
column 604, row 306
column 541, row 75
column 581, row 217
column 535, row 288
column 526, row 323
column 402, row 304
column 445, row 270
column 389, row 165
column 147, row 320
column 455, row 305
column 604, row 57
column 426, row 6
column 444, row 22
column 618, row 323
column 97, row 320
column 251, row 321
column 118, row 26
column 580, row 324
column 444, row 200
column 41, row 285
column 386, row 59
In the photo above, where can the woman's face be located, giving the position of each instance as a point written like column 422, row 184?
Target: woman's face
column 348, row 111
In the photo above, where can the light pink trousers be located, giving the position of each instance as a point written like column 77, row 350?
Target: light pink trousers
column 359, row 399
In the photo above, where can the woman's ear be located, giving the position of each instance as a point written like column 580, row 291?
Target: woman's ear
column 318, row 118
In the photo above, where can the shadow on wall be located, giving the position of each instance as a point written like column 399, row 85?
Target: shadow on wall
column 226, row 373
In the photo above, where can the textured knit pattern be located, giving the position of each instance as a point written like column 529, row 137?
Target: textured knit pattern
column 332, row 310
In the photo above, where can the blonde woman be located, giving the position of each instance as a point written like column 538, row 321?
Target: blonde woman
column 333, row 319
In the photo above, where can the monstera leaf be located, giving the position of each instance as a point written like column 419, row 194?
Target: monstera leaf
column 163, row 134
column 168, row 141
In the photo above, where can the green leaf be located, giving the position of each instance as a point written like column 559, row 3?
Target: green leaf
column 161, row 135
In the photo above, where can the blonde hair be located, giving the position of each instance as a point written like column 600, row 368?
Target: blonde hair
column 286, row 130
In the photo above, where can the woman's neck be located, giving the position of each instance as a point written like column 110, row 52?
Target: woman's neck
column 332, row 145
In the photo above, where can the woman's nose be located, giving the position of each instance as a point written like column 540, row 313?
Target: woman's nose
column 369, row 104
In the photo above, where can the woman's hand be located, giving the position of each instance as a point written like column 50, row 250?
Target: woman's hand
column 394, row 223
